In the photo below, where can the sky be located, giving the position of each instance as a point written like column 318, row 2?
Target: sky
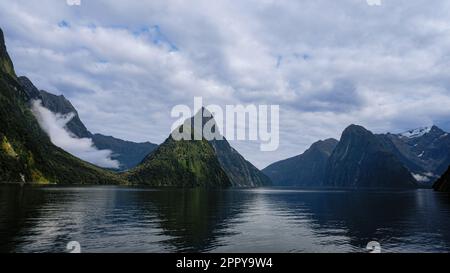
column 328, row 64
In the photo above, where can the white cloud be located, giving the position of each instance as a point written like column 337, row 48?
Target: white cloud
column 423, row 178
column 55, row 126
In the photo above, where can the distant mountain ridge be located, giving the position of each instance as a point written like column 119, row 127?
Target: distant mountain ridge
column 129, row 154
column 305, row 170
column 424, row 152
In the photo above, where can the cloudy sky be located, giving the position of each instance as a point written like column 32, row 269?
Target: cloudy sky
column 124, row 64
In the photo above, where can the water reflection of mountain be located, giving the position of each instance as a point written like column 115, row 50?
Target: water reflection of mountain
column 195, row 220
column 109, row 219
column 392, row 218
column 46, row 219
column 12, row 215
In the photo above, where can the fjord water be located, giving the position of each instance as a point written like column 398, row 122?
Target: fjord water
column 119, row 219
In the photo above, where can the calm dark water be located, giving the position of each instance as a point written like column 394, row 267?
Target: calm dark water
column 114, row 219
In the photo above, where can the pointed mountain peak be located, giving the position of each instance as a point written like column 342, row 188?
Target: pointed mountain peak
column 204, row 115
column 197, row 123
column 422, row 131
column 6, row 65
column 355, row 130
column 2, row 42
column 25, row 80
column 29, row 88
column 355, row 127
column 436, row 129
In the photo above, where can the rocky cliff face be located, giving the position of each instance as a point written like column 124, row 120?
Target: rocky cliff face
column 361, row 160
column 240, row 172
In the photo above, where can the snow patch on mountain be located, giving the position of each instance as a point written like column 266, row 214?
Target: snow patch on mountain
column 416, row 132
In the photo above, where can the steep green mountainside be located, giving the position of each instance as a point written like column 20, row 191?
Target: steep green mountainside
column 26, row 153
column 184, row 163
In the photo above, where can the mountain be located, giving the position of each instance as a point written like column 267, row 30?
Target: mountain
column 362, row 160
column 129, row 154
column 184, row 163
column 241, row 172
column 305, row 170
column 26, row 152
column 56, row 104
column 6, row 65
column 424, row 151
column 443, row 183
column 197, row 163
